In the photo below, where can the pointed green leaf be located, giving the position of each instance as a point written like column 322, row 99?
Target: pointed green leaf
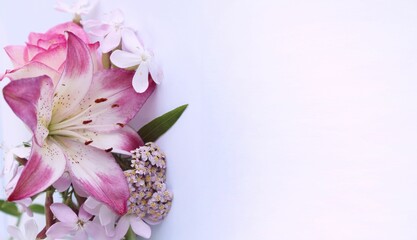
column 9, row 208
column 37, row 208
column 157, row 127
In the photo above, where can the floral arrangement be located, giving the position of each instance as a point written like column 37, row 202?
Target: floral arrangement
column 99, row 177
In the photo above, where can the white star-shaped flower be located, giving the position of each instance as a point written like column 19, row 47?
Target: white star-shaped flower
column 134, row 54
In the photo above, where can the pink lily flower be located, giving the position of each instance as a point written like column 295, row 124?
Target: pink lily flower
column 76, row 123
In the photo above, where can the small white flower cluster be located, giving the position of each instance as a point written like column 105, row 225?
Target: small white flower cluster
column 150, row 199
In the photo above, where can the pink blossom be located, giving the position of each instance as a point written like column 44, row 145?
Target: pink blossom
column 80, row 227
column 76, row 123
column 107, row 218
column 45, row 53
column 31, row 230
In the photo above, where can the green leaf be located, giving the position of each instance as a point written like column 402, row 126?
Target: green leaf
column 37, row 208
column 157, row 127
column 9, row 208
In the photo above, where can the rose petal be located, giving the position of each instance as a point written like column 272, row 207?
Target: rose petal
column 53, row 58
column 17, row 55
column 33, row 50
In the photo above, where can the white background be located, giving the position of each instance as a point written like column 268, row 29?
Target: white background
column 302, row 121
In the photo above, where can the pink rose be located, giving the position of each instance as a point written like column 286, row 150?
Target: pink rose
column 45, row 53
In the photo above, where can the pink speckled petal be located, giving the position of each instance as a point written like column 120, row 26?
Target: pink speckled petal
column 97, row 173
column 75, row 81
column 44, row 167
column 31, row 100
column 110, row 103
column 122, row 140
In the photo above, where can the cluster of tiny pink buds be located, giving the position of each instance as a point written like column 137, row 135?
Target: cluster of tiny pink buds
column 149, row 197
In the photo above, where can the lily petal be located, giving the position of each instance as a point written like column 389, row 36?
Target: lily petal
column 124, row 59
column 44, row 167
column 69, row 27
column 107, row 216
column 97, row 173
column 75, row 81
column 30, row 99
column 110, row 103
column 140, row 81
column 63, row 182
column 122, row 140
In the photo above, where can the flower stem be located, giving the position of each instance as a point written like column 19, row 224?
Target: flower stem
column 130, row 235
column 105, row 59
column 49, row 216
